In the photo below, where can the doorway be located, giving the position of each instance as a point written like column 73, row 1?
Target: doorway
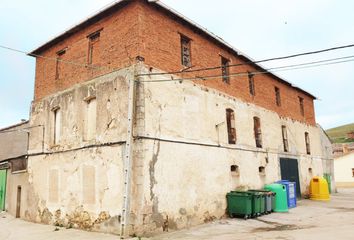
column 289, row 170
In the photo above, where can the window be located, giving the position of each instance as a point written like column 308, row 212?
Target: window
column 257, row 132
column 234, row 170
column 18, row 165
column 186, row 51
column 57, row 127
column 231, row 130
column 353, row 172
column 59, row 64
column 261, row 170
column 225, row 63
column 301, row 102
column 285, row 138
column 251, row 84
column 277, row 96
column 91, row 119
column 94, row 40
column 307, row 141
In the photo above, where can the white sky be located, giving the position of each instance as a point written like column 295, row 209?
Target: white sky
column 261, row 29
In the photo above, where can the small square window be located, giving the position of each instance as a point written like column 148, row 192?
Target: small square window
column 261, row 170
column 234, row 170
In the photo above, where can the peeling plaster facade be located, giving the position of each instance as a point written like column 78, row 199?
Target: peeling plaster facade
column 181, row 158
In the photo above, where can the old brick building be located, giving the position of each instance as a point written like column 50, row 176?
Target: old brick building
column 130, row 140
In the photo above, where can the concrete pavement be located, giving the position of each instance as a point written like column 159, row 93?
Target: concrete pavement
column 310, row 220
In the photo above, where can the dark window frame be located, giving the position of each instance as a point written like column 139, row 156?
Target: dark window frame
column 257, row 132
column 307, row 143
column 231, row 126
column 302, row 107
column 251, row 84
column 58, row 62
column 186, row 51
column 93, row 39
column 285, row 138
column 277, row 96
column 225, row 69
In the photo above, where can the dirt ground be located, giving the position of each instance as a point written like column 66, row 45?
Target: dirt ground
column 310, row 220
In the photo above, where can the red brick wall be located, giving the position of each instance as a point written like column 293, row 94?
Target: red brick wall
column 142, row 30
column 162, row 50
column 118, row 47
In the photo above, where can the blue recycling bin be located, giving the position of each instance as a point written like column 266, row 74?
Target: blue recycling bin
column 290, row 191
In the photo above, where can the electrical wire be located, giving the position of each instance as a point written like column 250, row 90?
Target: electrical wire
column 55, row 59
column 266, row 71
column 253, row 62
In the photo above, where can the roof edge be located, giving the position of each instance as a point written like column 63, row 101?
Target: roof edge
column 117, row 4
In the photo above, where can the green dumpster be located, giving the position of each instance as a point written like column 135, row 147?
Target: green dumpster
column 257, row 207
column 256, row 202
column 281, row 202
column 268, row 199
column 239, row 204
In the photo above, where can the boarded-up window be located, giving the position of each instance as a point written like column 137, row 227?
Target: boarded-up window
column 225, row 63
column 91, row 115
column 186, row 51
column 53, row 187
column 93, row 51
column 277, row 96
column 251, row 84
column 257, row 132
column 307, row 141
column 301, row 104
column 57, row 126
column 285, row 138
column 19, row 164
column 59, row 64
column 231, row 129
column 89, row 184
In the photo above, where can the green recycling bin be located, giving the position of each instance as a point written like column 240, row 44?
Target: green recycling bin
column 239, row 204
column 281, row 202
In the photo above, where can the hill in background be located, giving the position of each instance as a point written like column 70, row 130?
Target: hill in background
column 339, row 134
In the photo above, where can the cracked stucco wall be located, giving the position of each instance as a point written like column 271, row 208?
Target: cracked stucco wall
column 187, row 159
column 79, row 182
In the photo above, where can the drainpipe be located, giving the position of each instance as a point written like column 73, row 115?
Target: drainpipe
column 128, row 155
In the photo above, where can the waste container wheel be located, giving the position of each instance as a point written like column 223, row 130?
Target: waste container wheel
column 245, row 217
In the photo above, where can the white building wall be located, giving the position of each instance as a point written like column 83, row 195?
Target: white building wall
column 188, row 159
column 343, row 170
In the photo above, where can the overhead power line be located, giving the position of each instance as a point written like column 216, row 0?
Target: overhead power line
column 266, row 71
column 55, row 59
column 253, row 62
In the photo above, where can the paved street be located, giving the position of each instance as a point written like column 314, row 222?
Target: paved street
column 310, row 220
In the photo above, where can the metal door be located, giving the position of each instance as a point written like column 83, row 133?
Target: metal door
column 289, row 170
column 2, row 189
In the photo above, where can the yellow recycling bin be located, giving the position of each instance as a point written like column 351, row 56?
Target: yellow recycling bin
column 319, row 189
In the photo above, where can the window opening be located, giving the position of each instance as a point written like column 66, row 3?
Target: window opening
column 186, row 51
column 257, row 132
column 231, row 129
column 225, row 70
